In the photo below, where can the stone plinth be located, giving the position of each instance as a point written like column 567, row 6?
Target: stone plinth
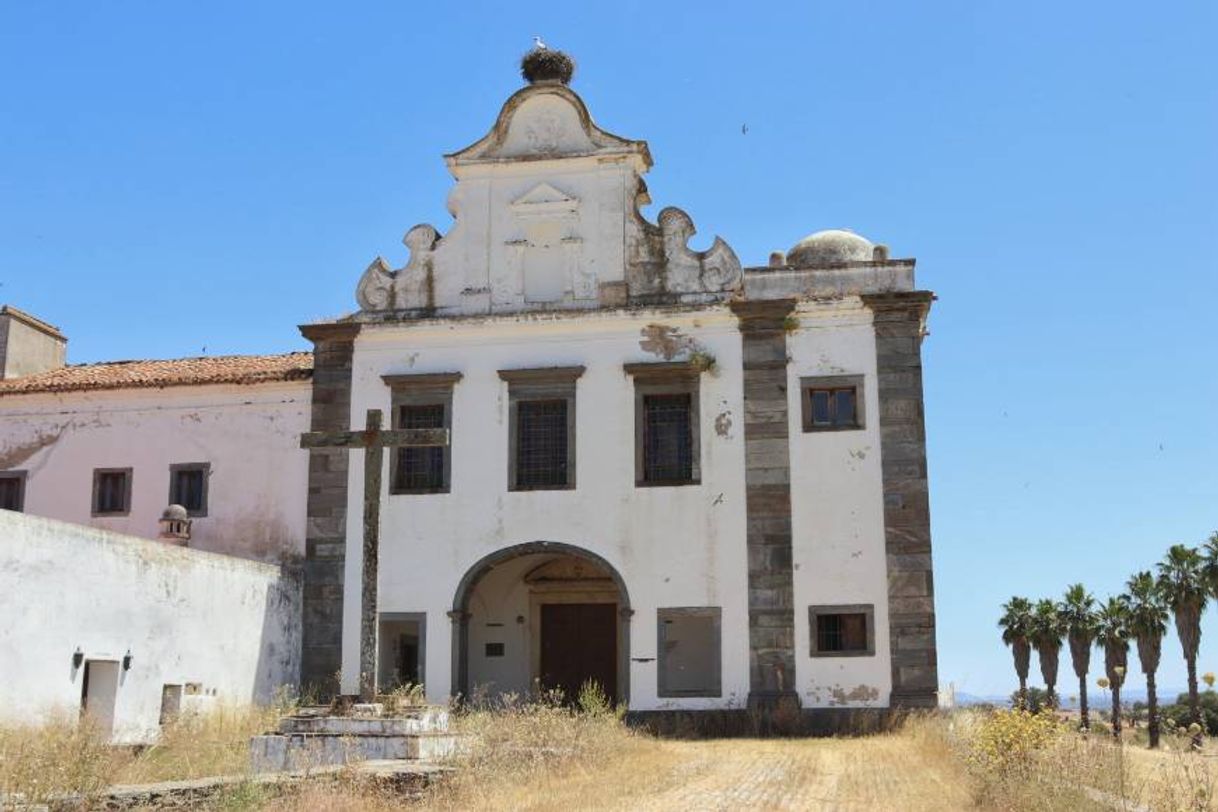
column 310, row 740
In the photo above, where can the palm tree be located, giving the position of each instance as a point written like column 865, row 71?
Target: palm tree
column 1182, row 579
column 1112, row 632
column 1077, row 612
column 1148, row 623
column 1046, row 637
column 1016, row 625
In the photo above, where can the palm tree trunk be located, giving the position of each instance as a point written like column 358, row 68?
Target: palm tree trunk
column 1152, row 710
column 1023, row 693
column 1082, row 702
column 1116, row 711
column 1194, row 700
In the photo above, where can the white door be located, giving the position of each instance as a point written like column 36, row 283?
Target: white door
column 99, row 694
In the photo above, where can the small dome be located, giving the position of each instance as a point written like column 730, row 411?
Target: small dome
column 175, row 513
column 832, row 247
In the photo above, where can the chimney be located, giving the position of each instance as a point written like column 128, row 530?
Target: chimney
column 175, row 526
column 28, row 345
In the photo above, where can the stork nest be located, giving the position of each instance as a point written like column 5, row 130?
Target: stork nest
column 547, row 65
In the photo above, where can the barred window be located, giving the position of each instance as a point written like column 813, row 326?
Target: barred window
column 420, row 470
column 541, row 427
column 666, row 450
column 842, row 631
column 188, row 487
column 541, row 443
column 667, row 438
column 12, row 490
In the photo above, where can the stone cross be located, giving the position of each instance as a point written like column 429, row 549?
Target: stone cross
column 374, row 441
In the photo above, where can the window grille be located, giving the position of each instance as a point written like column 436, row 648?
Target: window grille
column 420, row 469
column 541, row 443
column 667, row 438
column 842, row 632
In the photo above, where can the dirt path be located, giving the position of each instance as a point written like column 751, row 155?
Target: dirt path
column 879, row 773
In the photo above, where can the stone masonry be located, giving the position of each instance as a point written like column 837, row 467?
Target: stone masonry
column 900, row 320
column 767, row 479
column 326, row 533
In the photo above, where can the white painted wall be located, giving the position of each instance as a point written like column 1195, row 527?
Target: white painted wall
column 186, row 616
column 674, row 546
column 837, row 507
column 250, row 434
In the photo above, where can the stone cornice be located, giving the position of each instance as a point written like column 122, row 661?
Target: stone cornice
column 762, row 314
column 330, row 331
column 542, row 375
column 422, row 380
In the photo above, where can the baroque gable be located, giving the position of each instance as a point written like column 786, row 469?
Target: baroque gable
column 546, row 216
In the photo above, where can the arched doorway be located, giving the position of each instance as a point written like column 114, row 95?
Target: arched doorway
column 541, row 614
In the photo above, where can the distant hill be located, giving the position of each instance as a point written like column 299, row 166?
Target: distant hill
column 1095, row 697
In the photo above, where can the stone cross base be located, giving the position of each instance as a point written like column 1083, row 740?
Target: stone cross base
column 309, row 741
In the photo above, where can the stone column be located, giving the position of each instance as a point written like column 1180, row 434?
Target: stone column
column 900, row 320
column 326, row 532
column 767, row 481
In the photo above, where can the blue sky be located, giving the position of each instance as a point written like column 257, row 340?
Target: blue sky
column 175, row 176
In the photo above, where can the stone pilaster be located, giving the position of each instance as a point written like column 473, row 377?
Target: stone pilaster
column 326, row 530
column 900, row 320
column 767, row 479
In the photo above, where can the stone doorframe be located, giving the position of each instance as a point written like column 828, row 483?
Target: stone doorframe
column 465, row 590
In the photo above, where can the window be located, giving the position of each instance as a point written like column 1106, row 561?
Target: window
column 832, row 402
column 541, row 437
column 842, row 631
column 12, row 490
column 422, row 401
column 111, row 491
column 689, row 651
column 666, row 423
column 188, row 486
column 420, row 470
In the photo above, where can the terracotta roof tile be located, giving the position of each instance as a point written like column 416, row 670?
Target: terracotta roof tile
column 238, row 369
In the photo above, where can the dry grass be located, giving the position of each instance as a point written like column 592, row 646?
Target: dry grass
column 542, row 756
column 65, row 755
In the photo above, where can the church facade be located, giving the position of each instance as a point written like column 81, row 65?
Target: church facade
column 697, row 484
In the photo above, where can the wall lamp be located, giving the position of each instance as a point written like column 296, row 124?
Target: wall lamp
column 127, row 660
column 78, row 658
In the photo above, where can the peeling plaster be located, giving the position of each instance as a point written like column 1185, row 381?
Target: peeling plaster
column 859, row 693
column 16, row 454
column 723, row 424
column 666, row 342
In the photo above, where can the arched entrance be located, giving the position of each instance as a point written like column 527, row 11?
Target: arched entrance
column 543, row 613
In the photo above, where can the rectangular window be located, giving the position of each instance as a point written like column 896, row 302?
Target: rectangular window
column 111, row 491
column 422, row 401
column 842, row 631
column 12, row 490
column 541, row 435
column 688, row 643
column 541, row 444
column 420, row 470
column 188, row 486
column 668, row 438
column 832, row 402
column 666, row 399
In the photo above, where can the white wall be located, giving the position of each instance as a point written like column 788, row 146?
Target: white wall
column 186, row 616
column 837, row 507
column 673, row 546
column 250, row 434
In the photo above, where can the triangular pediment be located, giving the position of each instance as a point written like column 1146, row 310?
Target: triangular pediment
column 543, row 195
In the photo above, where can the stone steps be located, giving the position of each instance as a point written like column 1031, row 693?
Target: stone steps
column 309, row 740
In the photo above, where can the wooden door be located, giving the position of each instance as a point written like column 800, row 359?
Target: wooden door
column 579, row 643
